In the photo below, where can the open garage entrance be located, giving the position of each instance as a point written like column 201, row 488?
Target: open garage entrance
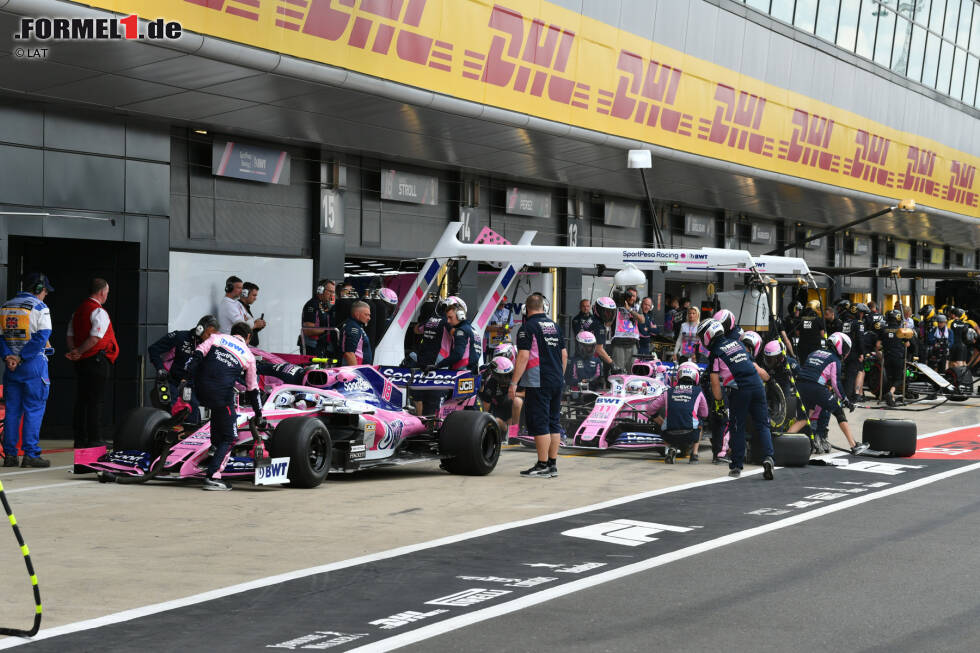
column 70, row 264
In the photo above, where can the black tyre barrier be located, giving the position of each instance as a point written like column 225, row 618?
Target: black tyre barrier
column 470, row 443
column 895, row 435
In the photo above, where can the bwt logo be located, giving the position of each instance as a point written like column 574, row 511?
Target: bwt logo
column 96, row 29
column 272, row 470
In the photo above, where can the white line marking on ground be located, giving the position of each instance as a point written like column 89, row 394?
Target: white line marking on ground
column 462, row 621
column 4, row 475
column 135, row 613
column 949, row 430
column 45, row 487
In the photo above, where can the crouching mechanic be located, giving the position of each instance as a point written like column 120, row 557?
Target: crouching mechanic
column 585, row 368
column 540, row 369
column 183, row 344
column 494, row 393
column 822, row 391
column 730, row 366
column 685, row 409
column 217, row 364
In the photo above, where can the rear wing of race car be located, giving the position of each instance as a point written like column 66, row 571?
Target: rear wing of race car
column 462, row 384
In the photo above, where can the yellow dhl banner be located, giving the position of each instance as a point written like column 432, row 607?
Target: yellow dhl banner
column 537, row 58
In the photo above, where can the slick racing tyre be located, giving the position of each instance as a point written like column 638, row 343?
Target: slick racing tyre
column 469, row 443
column 139, row 430
column 307, row 444
column 895, row 435
column 791, row 450
column 783, row 406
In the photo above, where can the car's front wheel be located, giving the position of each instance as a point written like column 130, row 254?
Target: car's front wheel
column 306, row 442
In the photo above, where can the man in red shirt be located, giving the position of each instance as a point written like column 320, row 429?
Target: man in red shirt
column 93, row 349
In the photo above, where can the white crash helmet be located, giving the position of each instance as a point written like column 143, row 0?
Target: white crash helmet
column 456, row 302
column 709, row 331
column 727, row 320
column 689, row 373
column 752, row 342
column 604, row 309
column 284, row 400
column 502, row 370
column 505, row 350
column 585, row 343
column 841, row 343
column 390, row 299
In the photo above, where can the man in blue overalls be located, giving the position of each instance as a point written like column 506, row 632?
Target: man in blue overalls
column 731, row 367
column 26, row 324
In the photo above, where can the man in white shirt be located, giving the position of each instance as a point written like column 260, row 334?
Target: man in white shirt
column 230, row 310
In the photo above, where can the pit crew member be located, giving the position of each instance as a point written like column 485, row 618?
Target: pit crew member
column 852, row 325
column 182, row 344
column 466, row 347
column 354, row 341
column 585, row 368
column 540, row 368
column 820, row 389
column 583, row 320
column 218, row 363
column 810, row 329
column 604, row 311
column 685, row 409
column 731, row 367
column 494, row 390
column 892, row 354
column 318, row 337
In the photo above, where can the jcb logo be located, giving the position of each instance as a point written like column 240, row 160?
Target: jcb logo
column 466, row 386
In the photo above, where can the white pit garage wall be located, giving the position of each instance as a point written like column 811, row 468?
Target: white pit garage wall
column 197, row 284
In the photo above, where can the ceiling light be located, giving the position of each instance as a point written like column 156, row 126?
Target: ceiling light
column 201, row 131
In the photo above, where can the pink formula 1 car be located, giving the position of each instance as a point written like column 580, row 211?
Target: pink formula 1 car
column 338, row 420
column 621, row 417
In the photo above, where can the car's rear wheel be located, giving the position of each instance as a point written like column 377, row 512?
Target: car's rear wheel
column 469, row 442
column 306, row 442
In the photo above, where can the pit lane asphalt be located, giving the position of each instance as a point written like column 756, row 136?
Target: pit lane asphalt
column 101, row 549
column 897, row 574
